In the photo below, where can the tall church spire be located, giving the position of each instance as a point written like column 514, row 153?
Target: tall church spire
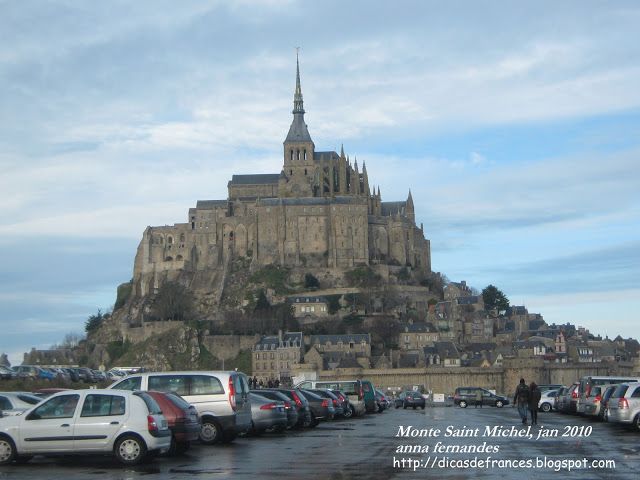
column 297, row 96
column 298, row 131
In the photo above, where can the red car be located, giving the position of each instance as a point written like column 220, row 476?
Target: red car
column 182, row 419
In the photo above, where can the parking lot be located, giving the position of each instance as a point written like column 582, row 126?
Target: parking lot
column 438, row 442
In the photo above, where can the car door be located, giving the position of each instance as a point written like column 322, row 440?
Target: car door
column 101, row 417
column 243, row 403
column 49, row 427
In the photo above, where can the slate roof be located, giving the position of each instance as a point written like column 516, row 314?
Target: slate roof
column 256, row 179
column 419, row 327
column 335, row 339
column 468, row 300
column 307, row 300
column 210, row 204
column 271, row 343
column 391, row 208
column 446, row 350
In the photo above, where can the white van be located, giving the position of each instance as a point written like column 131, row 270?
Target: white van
column 221, row 398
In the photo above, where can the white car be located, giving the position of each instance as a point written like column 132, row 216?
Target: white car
column 546, row 400
column 15, row 403
column 128, row 425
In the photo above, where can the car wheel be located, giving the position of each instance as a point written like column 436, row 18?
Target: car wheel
column 210, row 432
column 349, row 412
column 311, row 422
column 545, row 407
column 130, row 450
column 463, row 404
column 7, row 450
column 499, row 404
column 636, row 423
column 173, row 448
column 275, row 429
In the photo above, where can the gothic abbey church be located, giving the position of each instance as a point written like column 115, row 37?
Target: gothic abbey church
column 318, row 212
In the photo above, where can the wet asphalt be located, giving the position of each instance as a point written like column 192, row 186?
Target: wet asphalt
column 438, row 442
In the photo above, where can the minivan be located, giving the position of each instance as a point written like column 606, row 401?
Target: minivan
column 221, row 398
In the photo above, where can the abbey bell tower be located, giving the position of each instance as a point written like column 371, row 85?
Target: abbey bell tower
column 298, row 146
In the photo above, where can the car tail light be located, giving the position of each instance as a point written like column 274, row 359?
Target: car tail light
column 287, row 405
column 455, row 396
column 232, row 394
column 335, row 401
column 360, row 393
column 623, row 403
column 269, row 406
column 597, row 399
column 588, row 390
column 341, row 398
column 152, row 424
column 296, row 399
column 574, row 394
column 325, row 403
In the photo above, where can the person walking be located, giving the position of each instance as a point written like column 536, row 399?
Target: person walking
column 521, row 398
column 534, row 399
column 479, row 397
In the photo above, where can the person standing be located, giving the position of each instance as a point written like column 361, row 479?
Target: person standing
column 521, row 398
column 479, row 397
column 534, row 399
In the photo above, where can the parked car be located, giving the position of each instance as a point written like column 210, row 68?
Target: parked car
column 467, row 396
column 604, row 403
column 98, row 376
column 335, row 401
column 129, row 425
column 347, row 411
column 321, row 408
column 32, row 372
column 182, row 419
column 47, row 392
column 221, row 398
column 591, row 404
column 267, row 415
column 15, row 403
column 84, row 374
column 58, row 373
column 410, row 399
column 292, row 412
column 360, row 393
column 546, row 401
column 556, row 401
column 7, row 373
column 624, row 405
column 73, row 375
column 301, row 404
column 567, row 402
column 381, row 401
column 548, row 386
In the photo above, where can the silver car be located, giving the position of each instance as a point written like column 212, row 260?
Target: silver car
column 624, row 405
column 14, row 403
column 267, row 415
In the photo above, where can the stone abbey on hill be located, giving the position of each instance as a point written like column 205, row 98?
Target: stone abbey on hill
column 319, row 211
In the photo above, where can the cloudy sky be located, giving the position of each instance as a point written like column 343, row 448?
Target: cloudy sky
column 516, row 125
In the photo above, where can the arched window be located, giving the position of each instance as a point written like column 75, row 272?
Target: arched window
column 170, row 240
column 182, row 238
